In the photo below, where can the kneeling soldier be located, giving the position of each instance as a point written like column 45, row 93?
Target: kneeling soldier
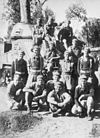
column 59, row 101
column 35, row 92
column 84, row 98
column 15, row 92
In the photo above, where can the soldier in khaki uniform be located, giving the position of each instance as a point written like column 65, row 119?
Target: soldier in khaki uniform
column 36, row 92
column 84, row 98
column 38, row 32
column 35, row 65
column 19, row 66
column 69, row 76
column 15, row 92
column 59, row 101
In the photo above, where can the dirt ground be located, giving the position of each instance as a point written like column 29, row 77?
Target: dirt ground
column 60, row 127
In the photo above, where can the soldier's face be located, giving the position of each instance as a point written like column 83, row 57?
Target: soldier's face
column 20, row 56
column 36, row 51
column 83, row 83
column 86, row 53
column 55, row 77
column 40, row 81
column 16, row 79
column 58, row 88
column 66, row 57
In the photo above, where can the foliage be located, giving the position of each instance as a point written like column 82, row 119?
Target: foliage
column 12, row 11
column 76, row 11
column 91, row 32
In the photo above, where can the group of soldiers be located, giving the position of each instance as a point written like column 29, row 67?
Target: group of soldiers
column 63, row 81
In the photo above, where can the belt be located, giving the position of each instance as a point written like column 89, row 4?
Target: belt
column 20, row 73
column 35, row 71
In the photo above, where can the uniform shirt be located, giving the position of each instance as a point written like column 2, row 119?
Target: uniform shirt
column 65, row 33
column 59, row 98
column 12, row 88
column 85, row 65
column 38, row 89
column 88, row 90
column 50, row 28
column 67, row 67
column 38, row 34
column 19, row 66
column 35, row 62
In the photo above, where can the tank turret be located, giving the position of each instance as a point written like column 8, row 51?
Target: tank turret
column 22, row 33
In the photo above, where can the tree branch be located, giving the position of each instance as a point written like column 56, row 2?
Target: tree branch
column 43, row 2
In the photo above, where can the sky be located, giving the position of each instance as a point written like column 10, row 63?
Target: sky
column 59, row 7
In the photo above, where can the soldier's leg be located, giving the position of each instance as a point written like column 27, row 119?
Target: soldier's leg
column 68, row 105
column 76, row 110
column 28, row 100
column 90, row 105
column 55, row 110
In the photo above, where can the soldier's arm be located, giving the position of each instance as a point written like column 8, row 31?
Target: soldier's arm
column 51, row 98
column 12, row 70
column 76, row 97
column 78, row 67
column 67, row 99
column 71, row 32
column 41, row 96
column 91, row 92
column 41, row 63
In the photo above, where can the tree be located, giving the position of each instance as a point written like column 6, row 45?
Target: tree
column 91, row 32
column 76, row 11
column 12, row 10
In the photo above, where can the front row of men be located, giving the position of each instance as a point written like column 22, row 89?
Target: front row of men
column 54, row 95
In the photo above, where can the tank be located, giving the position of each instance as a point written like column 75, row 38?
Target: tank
column 22, row 33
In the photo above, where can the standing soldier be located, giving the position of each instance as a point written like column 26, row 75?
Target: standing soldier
column 35, row 64
column 38, row 32
column 50, row 27
column 66, row 33
column 86, row 67
column 19, row 66
column 69, row 73
column 86, row 64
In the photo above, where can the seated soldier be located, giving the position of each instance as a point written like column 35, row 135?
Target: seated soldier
column 15, row 93
column 59, row 101
column 84, row 98
column 35, row 92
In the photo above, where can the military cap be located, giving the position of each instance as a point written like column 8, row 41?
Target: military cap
column 34, row 47
column 39, row 77
column 57, row 73
column 83, row 77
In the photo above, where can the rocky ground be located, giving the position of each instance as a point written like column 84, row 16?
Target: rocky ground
column 48, row 127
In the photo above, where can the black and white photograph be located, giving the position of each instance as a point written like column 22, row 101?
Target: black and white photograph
column 49, row 68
